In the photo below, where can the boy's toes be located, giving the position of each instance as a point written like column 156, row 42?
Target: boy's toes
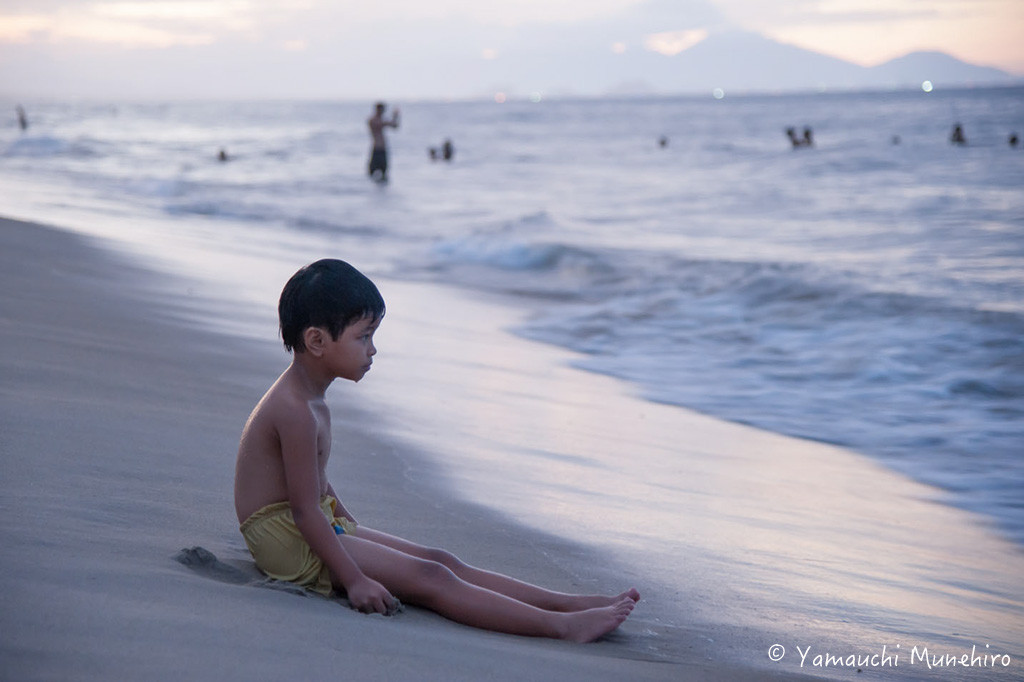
column 625, row 606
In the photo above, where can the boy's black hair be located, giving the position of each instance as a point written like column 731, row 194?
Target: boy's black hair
column 330, row 294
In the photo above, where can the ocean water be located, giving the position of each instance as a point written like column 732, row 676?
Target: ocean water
column 867, row 292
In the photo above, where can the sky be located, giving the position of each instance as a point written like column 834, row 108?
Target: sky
column 445, row 48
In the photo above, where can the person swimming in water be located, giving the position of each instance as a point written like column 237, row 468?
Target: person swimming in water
column 798, row 142
column 957, row 136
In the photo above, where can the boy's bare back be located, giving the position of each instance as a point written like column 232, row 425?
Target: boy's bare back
column 259, row 470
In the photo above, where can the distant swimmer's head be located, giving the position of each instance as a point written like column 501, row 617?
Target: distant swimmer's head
column 329, row 294
column 380, row 107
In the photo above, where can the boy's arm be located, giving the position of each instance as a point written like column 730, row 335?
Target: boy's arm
column 339, row 509
column 299, row 454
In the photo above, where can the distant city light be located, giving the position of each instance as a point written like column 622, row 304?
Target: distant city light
column 499, row 97
column 926, row 86
column 719, row 93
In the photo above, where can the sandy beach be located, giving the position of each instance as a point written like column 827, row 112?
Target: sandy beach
column 121, row 413
column 119, row 430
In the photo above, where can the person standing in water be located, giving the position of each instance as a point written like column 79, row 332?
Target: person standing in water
column 378, row 166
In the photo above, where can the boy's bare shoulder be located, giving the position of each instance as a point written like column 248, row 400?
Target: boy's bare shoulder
column 283, row 406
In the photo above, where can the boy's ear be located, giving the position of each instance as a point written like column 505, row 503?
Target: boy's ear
column 314, row 339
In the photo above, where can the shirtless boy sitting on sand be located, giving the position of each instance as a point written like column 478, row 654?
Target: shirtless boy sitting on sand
column 298, row 530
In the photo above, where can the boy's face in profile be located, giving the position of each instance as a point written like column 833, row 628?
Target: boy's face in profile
column 351, row 355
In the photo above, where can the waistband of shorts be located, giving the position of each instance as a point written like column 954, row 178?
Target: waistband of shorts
column 327, row 504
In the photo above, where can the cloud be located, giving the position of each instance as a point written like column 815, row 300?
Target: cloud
column 22, row 28
column 759, row 15
column 173, row 10
column 83, row 27
column 671, row 43
column 494, row 13
column 862, row 11
column 135, row 23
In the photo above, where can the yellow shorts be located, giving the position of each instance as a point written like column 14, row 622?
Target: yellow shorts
column 280, row 550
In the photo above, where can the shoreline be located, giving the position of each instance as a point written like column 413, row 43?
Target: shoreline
column 772, row 537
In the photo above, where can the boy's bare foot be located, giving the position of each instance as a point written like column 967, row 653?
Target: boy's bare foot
column 584, row 602
column 589, row 625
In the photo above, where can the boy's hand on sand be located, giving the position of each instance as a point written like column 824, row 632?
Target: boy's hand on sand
column 369, row 596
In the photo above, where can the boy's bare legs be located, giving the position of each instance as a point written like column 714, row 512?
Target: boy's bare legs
column 496, row 582
column 434, row 586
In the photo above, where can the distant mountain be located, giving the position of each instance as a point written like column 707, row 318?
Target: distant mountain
column 744, row 61
column 741, row 61
column 937, row 67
